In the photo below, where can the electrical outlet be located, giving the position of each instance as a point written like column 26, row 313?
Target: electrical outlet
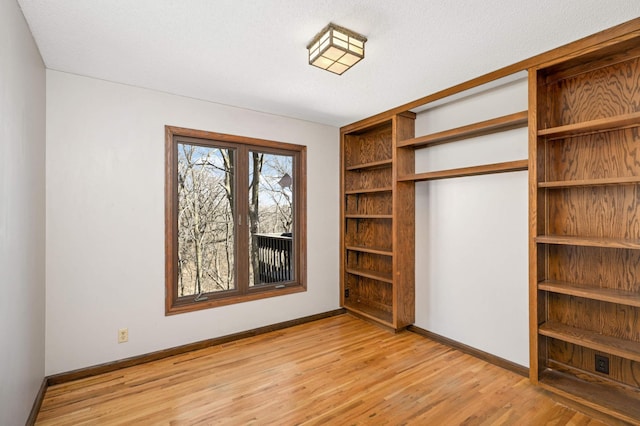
column 123, row 335
column 346, row 292
column 602, row 364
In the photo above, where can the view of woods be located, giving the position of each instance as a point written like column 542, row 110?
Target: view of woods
column 207, row 213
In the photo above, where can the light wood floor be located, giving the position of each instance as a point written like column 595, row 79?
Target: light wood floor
column 339, row 370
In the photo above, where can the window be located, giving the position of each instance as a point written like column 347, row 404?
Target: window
column 235, row 219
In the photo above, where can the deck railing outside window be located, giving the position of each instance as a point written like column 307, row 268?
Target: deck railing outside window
column 274, row 257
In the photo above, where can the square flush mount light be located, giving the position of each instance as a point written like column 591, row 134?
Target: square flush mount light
column 336, row 49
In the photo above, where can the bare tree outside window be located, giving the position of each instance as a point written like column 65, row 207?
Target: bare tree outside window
column 205, row 220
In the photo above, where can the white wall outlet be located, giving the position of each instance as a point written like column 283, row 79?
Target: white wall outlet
column 123, row 335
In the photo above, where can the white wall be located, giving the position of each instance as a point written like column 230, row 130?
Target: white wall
column 105, row 221
column 471, row 233
column 22, row 216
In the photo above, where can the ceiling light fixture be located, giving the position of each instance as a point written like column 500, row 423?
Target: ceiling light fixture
column 336, row 49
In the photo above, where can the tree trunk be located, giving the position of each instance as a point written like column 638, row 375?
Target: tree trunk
column 253, row 213
column 197, row 241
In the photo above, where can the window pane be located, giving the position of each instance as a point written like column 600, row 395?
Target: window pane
column 206, row 227
column 271, row 204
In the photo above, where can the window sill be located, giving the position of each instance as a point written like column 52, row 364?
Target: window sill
column 180, row 308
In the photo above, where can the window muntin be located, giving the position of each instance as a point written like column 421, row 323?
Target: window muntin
column 231, row 234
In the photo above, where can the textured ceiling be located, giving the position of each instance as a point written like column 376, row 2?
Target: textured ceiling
column 251, row 53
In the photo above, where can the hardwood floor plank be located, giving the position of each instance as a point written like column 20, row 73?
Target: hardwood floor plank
column 339, row 370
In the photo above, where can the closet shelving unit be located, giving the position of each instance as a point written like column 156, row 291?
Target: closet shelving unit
column 378, row 209
column 378, row 163
column 585, row 228
column 584, row 199
column 377, row 238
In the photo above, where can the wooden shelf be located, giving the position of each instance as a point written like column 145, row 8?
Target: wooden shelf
column 615, row 401
column 623, row 348
column 376, row 314
column 585, row 184
column 368, row 190
column 590, row 182
column 368, row 216
column 372, row 165
column 375, row 275
column 621, row 297
column 507, row 122
column 509, row 166
column 594, row 126
column 370, row 240
column 589, row 242
column 372, row 250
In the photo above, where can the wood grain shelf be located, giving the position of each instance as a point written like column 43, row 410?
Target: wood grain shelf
column 372, row 250
column 376, row 275
column 368, row 216
column 589, row 242
column 378, row 315
column 611, row 295
column 509, row 166
column 629, row 180
column 367, row 190
column 599, row 342
column 500, row 124
column 377, row 224
column 371, row 165
column 583, row 182
column 593, row 126
column 612, row 400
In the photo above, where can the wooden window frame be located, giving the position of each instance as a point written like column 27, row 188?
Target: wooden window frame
column 243, row 292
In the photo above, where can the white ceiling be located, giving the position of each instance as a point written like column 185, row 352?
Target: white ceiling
column 251, row 53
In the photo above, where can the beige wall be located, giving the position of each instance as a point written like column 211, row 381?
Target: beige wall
column 105, row 220
column 22, row 216
column 471, row 233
